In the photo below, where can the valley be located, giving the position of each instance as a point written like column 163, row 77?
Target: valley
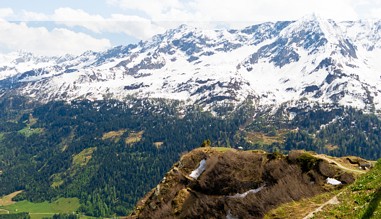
column 101, row 151
column 228, row 117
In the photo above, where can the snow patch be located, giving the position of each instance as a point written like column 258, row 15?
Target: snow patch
column 200, row 169
column 333, row 181
column 329, row 123
column 243, row 195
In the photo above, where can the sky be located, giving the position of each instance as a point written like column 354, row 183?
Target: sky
column 58, row 27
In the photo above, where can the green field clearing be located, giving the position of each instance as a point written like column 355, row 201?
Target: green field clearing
column 134, row 137
column 113, row 135
column 264, row 139
column 45, row 209
column 83, row 157
column 27, row 131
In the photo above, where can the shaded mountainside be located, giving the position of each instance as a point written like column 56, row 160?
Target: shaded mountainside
column 227, row 183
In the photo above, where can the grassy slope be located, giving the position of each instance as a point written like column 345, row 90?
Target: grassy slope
column 300, row 209
column 359, row 200
column 113, row 135
column 134, row 137
column 264, row 139
column 83, row 157
column 44, row 209
column 79, row 161
column 28, row 131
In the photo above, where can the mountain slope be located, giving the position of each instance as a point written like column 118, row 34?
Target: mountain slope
column 289, row 82
column 226, row 183
column 271, row 63
column 359, row 200
column 111, row 153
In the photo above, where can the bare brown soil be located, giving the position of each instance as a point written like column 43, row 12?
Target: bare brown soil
column 7, row 200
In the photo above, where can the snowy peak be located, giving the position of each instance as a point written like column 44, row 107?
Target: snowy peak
column 366, row 33
column 311, row 59
column 18, row 62
column 308, row 36
column 312, row 33
column 308, row 33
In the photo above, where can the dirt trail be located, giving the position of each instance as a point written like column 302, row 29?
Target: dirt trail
column 332, row 201
column 339, row 165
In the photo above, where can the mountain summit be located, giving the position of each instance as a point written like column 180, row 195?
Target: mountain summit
column 273, row 64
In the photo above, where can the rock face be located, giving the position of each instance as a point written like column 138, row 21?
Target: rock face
column 237, row 184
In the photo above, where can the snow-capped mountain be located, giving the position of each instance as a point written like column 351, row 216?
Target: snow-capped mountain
column 311, row 59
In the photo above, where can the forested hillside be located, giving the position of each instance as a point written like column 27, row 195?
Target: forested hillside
column 92, row 150
column 338, row 131
column 110, row 153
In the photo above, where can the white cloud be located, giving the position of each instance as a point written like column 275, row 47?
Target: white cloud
column 368, row 8
column 71, row 17
column 138, row 27
column 6, row 12
column 69, row 14
column 144, row 18
column 152, row 8
column 132, row 25
column 243, row 10
column 41, row 41
column 375, row 13
column 33, row 16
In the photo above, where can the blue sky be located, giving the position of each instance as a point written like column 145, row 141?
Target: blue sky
column 73, row 26
column 42, row 6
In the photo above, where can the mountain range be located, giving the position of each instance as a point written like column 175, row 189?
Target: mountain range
column 101, row 129
column 292, row 63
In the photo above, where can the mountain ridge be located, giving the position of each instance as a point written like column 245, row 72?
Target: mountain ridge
column 228, row 183
column 313, row 59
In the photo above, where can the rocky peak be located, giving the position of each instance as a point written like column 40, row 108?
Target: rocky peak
column 276, row 63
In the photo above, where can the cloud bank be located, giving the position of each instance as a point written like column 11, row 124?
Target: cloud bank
column 78, row 30
column 42, row 41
